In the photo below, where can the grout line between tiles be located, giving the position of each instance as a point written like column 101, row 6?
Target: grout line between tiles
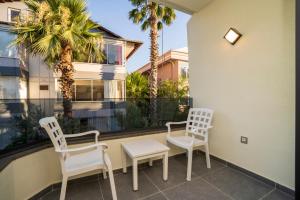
column 217, row 188
column 253, row 178
column 172, row 187
column 149, row 179
column 215, row 170
column 150, row 195
column 265, row 195
column 288, row 194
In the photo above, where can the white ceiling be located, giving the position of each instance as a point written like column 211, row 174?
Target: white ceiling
column 188, row 6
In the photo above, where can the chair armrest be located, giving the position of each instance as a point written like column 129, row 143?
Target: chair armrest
column 83, row 134
column 168, row 124
column 83, row 148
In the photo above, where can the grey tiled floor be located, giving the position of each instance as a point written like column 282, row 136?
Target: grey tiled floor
column 218, row 183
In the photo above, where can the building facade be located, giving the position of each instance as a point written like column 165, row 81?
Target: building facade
column 25, row 76
column 172, row 65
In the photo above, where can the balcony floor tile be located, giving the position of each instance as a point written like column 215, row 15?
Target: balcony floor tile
column 237, row 184
column 195, row 189
column 278, row 195
column 219, row 182
column 157, row 196
column 124, row 187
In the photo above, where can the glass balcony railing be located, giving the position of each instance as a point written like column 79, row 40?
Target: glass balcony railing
column 19, row 119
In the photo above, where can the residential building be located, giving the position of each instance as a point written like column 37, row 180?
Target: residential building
column 251, row 84
column 28, row 77
column 172, row 65
column 23, row 76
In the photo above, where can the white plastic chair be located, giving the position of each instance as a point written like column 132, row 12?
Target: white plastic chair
column 196, row 134
column 87, row 158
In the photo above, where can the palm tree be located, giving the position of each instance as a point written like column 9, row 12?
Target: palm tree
column 137, row 86
column 58, row 30
column 152, row 15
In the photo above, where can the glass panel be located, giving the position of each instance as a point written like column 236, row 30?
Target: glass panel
column 5, row 39
column 19, row 119
column 83, row 90
column 114, row 55
column 14, row 15
column 8, row 87
column 104, row 51
column 98, row 90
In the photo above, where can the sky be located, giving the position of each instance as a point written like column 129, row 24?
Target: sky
column 113, row 15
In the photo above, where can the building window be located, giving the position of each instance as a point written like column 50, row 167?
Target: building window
column 83, row 90
column 114, row 89
column 6, row 50
column 120, row 88
column 114, row 54
column 98, row 90
column 13, row 14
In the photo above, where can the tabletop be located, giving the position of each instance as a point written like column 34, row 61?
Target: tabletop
column 144, row 147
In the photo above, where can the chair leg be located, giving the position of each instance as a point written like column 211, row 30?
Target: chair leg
column 63, row 188
column 104, row 174
column 207, row 156
column 189, row 165
column 112, row 184
column 111, row 176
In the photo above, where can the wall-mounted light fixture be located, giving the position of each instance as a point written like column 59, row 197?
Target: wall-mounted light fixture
column 232, row 36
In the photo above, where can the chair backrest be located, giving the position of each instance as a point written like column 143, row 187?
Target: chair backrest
column 54, row 131
column 199, row 119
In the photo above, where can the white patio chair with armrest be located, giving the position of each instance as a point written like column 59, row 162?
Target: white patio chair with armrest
column 196, row 134
column 87, row 158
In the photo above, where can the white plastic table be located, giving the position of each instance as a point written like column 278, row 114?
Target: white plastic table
column 144, row 149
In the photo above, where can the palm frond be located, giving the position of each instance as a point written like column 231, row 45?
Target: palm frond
column 142, row 11
column 55, row 23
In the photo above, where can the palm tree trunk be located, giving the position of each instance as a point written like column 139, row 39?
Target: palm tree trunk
column 66, row 79
column 153, row 62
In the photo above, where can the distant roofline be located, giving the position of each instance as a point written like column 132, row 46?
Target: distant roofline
column 164, row 58
column 136, row 43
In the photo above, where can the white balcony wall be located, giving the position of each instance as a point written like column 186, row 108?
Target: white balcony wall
column 251, row 85
column 42, row 168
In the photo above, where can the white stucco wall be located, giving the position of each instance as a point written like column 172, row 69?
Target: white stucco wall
column 251, row 86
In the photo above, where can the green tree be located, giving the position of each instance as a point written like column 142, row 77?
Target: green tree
column 173, row 89
column 58, row 30
column 152, row 15
column 137, row 86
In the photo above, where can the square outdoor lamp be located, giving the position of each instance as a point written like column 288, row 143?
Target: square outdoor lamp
column 232, row 36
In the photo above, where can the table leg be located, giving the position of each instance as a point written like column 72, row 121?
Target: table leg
column 124, row 164
column 135, row 174
column 165, row 166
